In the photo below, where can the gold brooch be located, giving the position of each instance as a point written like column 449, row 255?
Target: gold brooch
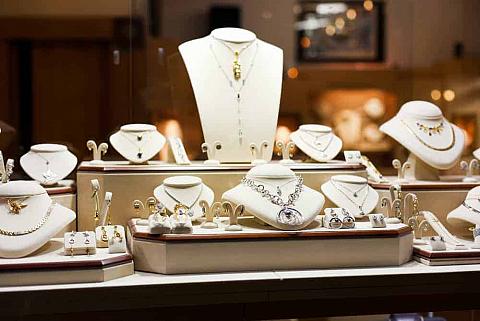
column 14, row 206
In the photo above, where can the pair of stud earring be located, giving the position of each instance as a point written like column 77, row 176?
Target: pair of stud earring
column 441, row 239
column 378, row 218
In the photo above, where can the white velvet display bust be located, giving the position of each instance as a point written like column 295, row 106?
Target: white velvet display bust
column 271, row 176
column 341, row 190
column 317, row 141
column 137, row 143
column 420, row 127
column 465, row 213
column 48, row 163
column 228, row 106
column 186, row 190
column 37, row 204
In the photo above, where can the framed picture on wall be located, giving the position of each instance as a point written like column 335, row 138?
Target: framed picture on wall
column 340, row 31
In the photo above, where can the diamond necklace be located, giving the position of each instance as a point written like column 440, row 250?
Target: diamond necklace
column 180, row 202
column 360, row 206
column 440, row 149
column 471, row 208
column 317, row 144
column 139, row 138
column 33, row 228
column 354, row 193
column 48, row 175
column 278, row 188
column 287, row 215
column 237, row 91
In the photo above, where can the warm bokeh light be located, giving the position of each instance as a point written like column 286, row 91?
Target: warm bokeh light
column 169, row 127
column 368, row 5
column 282, row 134
column 351, row 14
column 330, row 30
column 339, row 23
column 305, row 42
column 449, row 95
column 436, row 94
column 292, row 72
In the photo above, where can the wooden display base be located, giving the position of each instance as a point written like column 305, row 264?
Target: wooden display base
column 439, row 197
column 129, row 182
column 65, row 194
column 259, row 248
column 50, row 266
column 423, row 254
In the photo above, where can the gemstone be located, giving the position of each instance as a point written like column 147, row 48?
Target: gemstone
column 139, row 155
column 290, row 216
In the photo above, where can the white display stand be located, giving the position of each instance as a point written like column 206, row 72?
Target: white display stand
column 37, row 203
column 317, row 141
column 434, row 143
column 230, row 109
column 274, row 177
column 187, row 190
column 137, row 143
column 344, row 185
column 468, row 212
column 48, row 163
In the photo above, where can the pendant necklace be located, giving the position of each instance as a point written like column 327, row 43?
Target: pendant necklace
column 359, row 206
column 429, row 132
column 48, row 175
column 288, row 215
column 139, row 138
column 237, row 89
column 187, row 209
column 236, row 67
column 354, row 193
column 317, row 141
column 32, row 229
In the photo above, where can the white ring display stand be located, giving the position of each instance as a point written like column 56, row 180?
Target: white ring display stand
column 309, row 204
column 186, row 190
column 343, row 185
column 317, row 141
column 434, row 143
column 138, row 143
column 35, row 204
column 229, row 107
column 48, row 163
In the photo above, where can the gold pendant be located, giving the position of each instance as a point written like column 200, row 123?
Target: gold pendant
column 237, row 72
column 15, row 207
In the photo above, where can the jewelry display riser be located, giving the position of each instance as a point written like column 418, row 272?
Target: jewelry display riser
column 425, row 255
column 131, row 182
column 65, row 193
column 50, row 266
column 257, row 248
column 439, row 197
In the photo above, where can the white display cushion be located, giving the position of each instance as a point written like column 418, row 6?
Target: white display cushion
column 138, row 143
column 309, row 203
column 464, row 214
column 304, row 139
column 216, row 96
column 341, row 200
column 187, row 190
column 411, row 137
column 61, row 162
column 37, row 203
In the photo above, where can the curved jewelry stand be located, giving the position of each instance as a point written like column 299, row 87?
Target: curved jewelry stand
column 233, row 214
column 210, row 212
column 144, row 209
column 286, row 151
column 469, row 169
column 393, row 205
column 97, row 151
column 211, row 151
column 401, row 169
column 441, row 230
column 258, row 153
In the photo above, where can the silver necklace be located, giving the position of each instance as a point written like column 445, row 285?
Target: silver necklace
column 33, row 228
column 180, row 202
column 138, row 138
column 237, row 91
column 287, row 215
column 471, row 208
column 360, row 206
column 317, row 143
column 48, row 175
column 354, row 193
column 278, row 188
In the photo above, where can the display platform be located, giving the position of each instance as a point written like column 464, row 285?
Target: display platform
column 424, row 255
column 130, row 182
column 49, row 265
column 65, row 194
column 260, row 248
column 439, row 197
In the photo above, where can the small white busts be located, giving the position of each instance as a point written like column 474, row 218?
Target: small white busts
column 137, row 143
column 317, row 141
column 434, row 143
column 469, row 210
column 48, row 163
column 186, row 192
column 28, row 218
column 351, row 192
column 237, row 80
column 266, row 190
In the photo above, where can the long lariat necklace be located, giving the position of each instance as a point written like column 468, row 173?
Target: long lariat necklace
column 48, row 175
column 287, row 215
column 237, row 89
column 353, row 201
column 437, row 131
column 139, row 138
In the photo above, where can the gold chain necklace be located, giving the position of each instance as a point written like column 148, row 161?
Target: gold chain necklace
column 236, row 67
column 440, row 149
column 33, row 228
